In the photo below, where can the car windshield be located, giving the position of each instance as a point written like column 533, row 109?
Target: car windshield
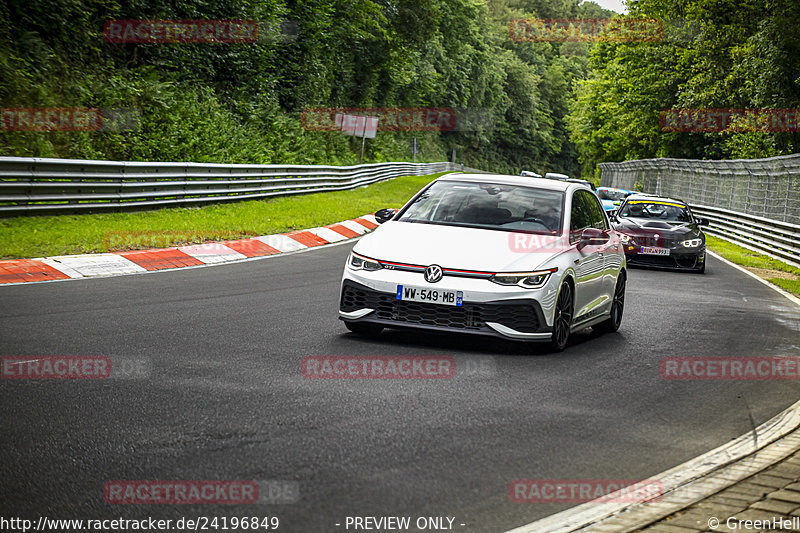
column 488, row 205
column 611, row 194
column 666, row 211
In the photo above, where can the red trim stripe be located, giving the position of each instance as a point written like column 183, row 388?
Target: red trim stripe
column 468, row 271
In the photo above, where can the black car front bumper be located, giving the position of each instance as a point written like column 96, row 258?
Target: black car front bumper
column 524, row 316
column 676, row 260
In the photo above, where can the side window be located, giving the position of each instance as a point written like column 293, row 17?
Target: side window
column 596, row 210
column 580, row 217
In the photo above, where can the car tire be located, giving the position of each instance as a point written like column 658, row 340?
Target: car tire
column 702, row 269
column 364, row 328
column 562, row 318
column 617, row 308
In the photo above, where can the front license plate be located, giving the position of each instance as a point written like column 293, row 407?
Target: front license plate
column 654, row 251
column 431, row 296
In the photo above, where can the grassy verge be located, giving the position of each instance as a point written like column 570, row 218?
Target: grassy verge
column 24, row 237
column 785, row 276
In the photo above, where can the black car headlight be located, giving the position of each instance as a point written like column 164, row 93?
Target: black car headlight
column 360, row 262
column 526, row 280
column 692, row 243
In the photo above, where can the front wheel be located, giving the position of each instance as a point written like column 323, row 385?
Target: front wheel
column 562, row 318
column 364, row 328
column 617, row 307
column 702, row 268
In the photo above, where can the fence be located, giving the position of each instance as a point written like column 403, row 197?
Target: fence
column 32, row 186
column 768, row 188
column 752, row 202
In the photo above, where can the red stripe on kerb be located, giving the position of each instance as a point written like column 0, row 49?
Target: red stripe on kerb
column 251, row 247
column 366, row 223
column 25, row 270
column 307, row 238
column 159, row 259
column 343, row 230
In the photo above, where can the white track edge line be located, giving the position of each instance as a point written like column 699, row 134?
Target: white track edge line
column 787, row 294
column 594, row 512
column 675, row 478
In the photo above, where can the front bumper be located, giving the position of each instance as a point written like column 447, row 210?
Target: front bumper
column 520, row 319
column 678, row 259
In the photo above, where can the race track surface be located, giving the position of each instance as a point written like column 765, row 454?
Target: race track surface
column 224, row 397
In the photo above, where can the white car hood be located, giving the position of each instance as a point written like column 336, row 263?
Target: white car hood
column 458, row 247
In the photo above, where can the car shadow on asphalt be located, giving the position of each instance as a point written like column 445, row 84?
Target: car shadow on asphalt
column 392, row 341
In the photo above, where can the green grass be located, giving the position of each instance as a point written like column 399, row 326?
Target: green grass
column 788, row 285
column 24, row 237
column 750, row 259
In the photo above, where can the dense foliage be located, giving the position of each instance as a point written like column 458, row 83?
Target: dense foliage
column 542, row 105
column 242, row 102
column 715, row 54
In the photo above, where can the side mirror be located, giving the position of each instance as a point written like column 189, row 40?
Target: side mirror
column 701, row 221
column 592, row 237
column 385, row 215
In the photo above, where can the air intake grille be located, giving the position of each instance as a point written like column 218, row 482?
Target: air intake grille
column 521, row 317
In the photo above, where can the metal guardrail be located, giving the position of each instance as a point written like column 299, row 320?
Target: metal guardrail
column 780, row 240
column 768, row 188
column 751, row 202
column 32, row 186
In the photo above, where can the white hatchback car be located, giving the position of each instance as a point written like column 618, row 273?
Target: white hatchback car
column 515, row 257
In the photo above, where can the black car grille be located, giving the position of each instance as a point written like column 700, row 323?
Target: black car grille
column 523, row 317
column 688, row 261
column 662, row 241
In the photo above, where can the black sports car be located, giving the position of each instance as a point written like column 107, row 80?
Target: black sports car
column 661, row 232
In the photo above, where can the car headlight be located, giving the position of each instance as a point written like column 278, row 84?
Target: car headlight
column 625, row 239
column 526, row 280
column 360, row 262
column 692, row 243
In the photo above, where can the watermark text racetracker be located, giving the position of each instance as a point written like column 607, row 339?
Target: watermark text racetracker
column 73, row 367
column 525, row 243
column 585, row 30
column 133, row 240
column 730, row 368
column 67, row 119
column 374, row 367
column 401, row 119
column 396, row 367
column 180, row 31
column 585, row 490
column 729, row 120
column 196, row 492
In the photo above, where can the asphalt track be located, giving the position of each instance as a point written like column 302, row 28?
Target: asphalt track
column 225, row 399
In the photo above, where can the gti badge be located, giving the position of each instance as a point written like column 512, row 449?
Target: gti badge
column 433, row 273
